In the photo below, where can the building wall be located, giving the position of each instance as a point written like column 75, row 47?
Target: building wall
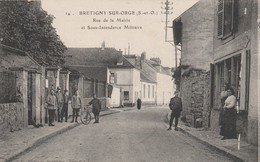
column 128, row 80
column 115, row 97
column 197, row 35
column 164, row 89
column 148, row 99
column 194, row 90
column 253, row 114
column 11, row 116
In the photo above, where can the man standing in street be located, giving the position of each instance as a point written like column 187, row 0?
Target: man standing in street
column 176, row 107
column 60, row 102
column 51, row 106
column 64, row 112
column 76, row 104
column 96, row 107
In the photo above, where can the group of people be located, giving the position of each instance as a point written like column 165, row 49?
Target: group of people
column 227, row 118
column 57, row 105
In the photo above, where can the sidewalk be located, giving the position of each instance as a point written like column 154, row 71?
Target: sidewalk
column 18, row 142
column 247, row 152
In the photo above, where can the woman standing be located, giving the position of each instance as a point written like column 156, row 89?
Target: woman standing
column 228, row 124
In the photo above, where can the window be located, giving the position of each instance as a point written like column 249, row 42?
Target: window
column 227, row 17
column 101, row 89
column 144, row 91
column 220, row 74
column 153, row 92
column 112, row 78
column 228, row 71
column 88, row 88
column 126, row 95
column 148, row 91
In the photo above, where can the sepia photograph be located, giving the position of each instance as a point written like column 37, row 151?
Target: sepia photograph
column 129, row 81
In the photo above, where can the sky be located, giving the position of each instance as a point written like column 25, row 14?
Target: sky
column 78, row 21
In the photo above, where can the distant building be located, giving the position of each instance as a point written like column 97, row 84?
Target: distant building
column 127, row 77
column 156, row 82
column 90, row 72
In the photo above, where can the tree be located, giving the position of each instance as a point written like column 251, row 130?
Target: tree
column 26, row 26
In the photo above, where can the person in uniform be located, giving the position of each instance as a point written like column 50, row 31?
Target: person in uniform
column 176, row 107
column 64, row 112
column 76, row 105
column 96, row 104
column 60, row 101
column 51, row 101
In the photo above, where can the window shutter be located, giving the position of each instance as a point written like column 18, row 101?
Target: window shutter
column 115, row 78
column 220, row 18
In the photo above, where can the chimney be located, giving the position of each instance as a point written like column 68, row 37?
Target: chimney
column 103, row 45
column 143, row 56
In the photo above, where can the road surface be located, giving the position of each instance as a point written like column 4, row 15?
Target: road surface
column 130, row 136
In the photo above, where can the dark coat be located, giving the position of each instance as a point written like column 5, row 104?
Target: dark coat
column 176, row 106
column 139, row 103
column 96, row 106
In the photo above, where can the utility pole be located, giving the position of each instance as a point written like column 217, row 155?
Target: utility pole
column 128, row 48
column 167, row 9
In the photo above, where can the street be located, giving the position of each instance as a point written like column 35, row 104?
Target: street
column 136, row 135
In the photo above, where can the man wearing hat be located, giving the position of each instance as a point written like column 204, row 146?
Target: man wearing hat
column 60, row 100
column 64, row 112
column 95, row 102
column 176, row 107
column 51, row 101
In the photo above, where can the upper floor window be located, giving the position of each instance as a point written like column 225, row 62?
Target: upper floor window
column 227, row 16
column 112, row 78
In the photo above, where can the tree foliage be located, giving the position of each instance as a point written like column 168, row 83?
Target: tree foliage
column 26, row 26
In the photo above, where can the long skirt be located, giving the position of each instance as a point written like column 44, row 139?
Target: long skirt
column 228, row 123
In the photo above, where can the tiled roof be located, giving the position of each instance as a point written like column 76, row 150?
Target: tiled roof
column 92, row 56
column 91, row 72
column 125, row 64
column 144, row 77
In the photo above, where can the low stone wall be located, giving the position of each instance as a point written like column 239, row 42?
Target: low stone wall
column 195, row 96
column 11, row 116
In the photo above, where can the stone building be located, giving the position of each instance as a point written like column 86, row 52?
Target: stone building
column 193, row 31
column 21, row 83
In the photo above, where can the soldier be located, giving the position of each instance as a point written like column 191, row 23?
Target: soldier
column 64, row 112
column 76, row 105
column 176, row 107
column 51, row 101
column 60, row 101
column 96, row 107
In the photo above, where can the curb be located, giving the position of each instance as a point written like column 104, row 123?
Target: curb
column 39, row 141
column 44, row 138
column 220, row 150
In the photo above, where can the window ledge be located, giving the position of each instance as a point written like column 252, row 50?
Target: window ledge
column 227, row 38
